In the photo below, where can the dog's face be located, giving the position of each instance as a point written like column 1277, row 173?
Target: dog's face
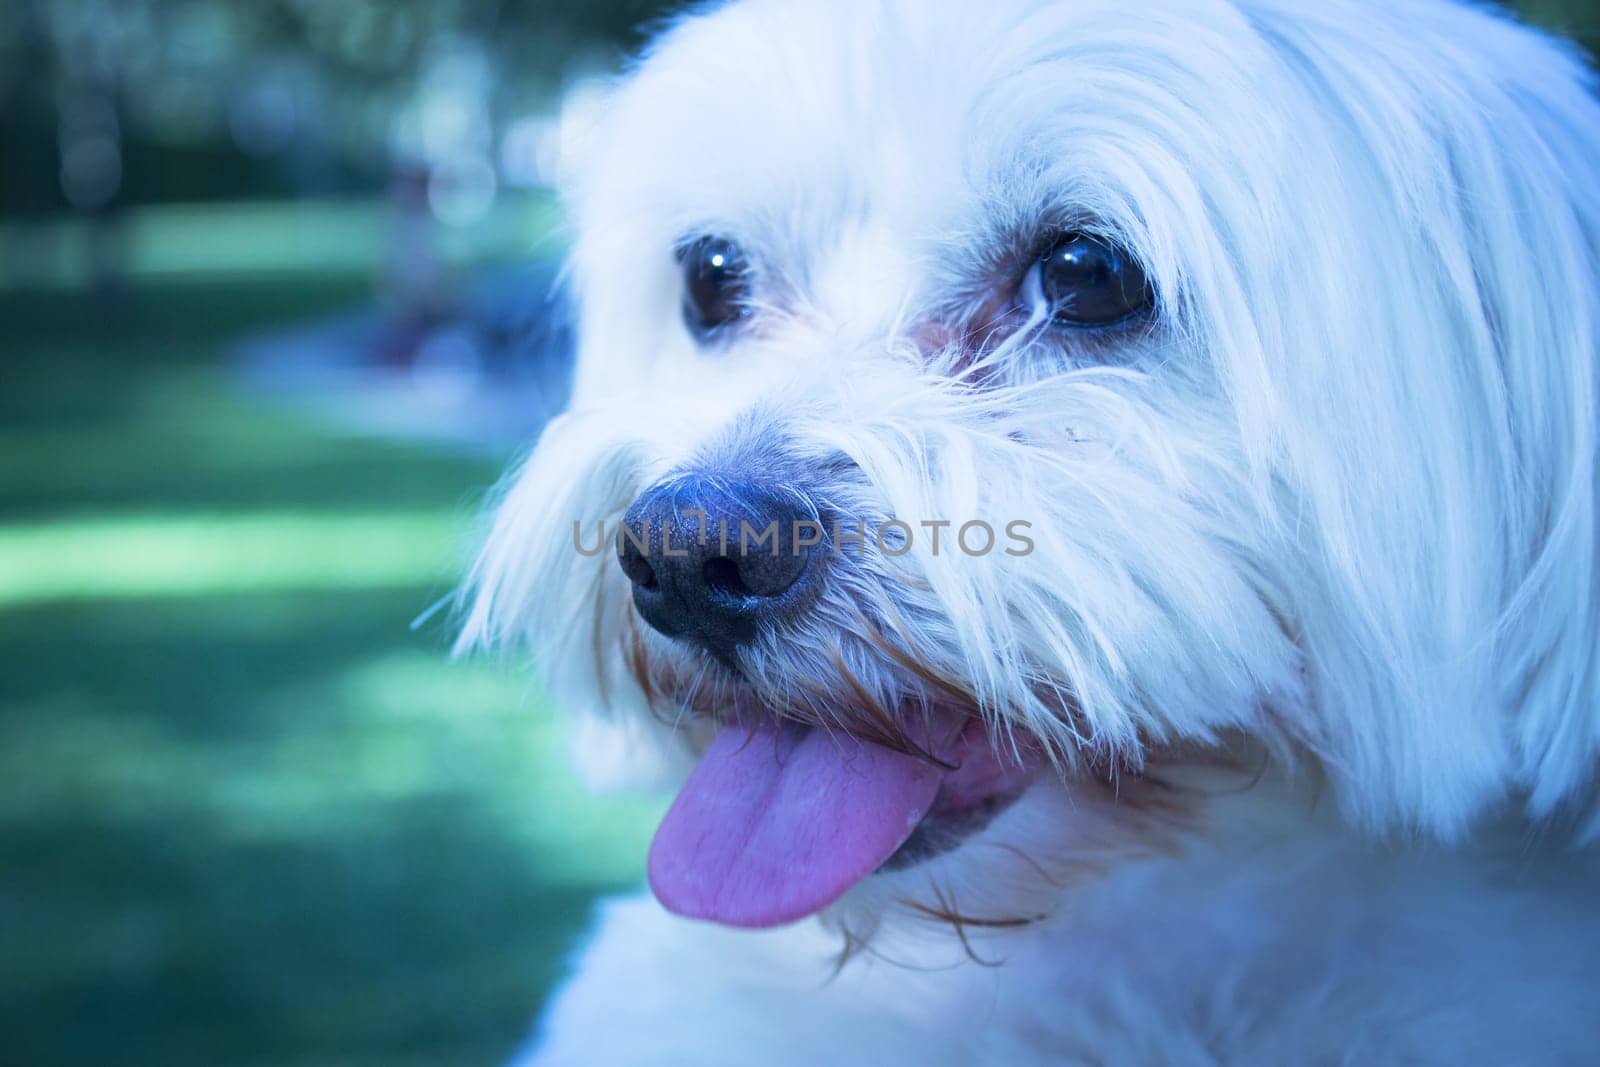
column 1119, row 382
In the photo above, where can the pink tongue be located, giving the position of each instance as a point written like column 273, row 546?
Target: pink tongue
column 775, row 824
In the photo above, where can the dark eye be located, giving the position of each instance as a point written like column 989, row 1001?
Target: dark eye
column 1086, row 281
column 716, row 284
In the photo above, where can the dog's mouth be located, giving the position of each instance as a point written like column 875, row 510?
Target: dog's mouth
column 779, row 820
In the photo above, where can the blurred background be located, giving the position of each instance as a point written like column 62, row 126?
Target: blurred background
column 276, row 310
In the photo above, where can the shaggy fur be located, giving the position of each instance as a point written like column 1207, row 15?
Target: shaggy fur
column 1308, row 631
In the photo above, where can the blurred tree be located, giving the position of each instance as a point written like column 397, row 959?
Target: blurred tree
column 1578, row 19
column 181, row 99
column 136, row 100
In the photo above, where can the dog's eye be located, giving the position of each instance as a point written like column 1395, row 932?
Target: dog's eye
column 716, row 284
column 1085, row 281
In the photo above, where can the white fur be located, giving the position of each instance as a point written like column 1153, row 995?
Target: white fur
column 1336, row 503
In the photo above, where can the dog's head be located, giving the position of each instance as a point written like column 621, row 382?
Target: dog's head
column 995, row 400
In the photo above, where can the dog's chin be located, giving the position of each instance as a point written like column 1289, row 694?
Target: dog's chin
column 961, row 887
column 944, row 831
column 989, row 778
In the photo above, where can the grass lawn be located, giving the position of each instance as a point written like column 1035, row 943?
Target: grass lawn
column 246, row 814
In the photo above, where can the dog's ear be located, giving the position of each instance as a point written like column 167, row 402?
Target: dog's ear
column 1442, row 441
column 1542, row 305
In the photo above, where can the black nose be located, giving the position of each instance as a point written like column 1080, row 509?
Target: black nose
column 712, row 561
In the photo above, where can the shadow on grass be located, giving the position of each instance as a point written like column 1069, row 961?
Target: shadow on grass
column 281, row 829
column 414, row 937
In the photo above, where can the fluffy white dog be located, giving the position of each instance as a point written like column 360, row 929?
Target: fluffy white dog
column 1103, row 497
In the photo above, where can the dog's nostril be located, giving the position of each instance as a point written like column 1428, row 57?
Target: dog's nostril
column 721, row 574
column 637, row 568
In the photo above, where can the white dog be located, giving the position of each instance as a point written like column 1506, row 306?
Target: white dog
column 1107, row 494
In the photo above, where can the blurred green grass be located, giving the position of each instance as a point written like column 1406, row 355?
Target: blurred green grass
column 263, row 240
column 246, row 814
